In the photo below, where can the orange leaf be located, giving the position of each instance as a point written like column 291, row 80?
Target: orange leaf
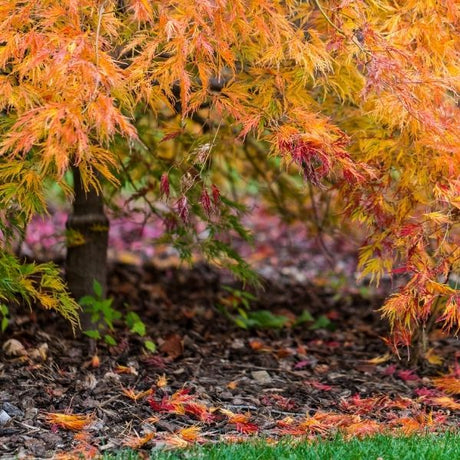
column 125, row 370
column 363, row 428
column 190, row 434
column 232, row 385
column 446, row 401
column 258, row 345
column 95, row 361
column 449, row 384
column 162, row 381
column 236, row 418
column 132, row 394
column 136, row 442
column 72, row 422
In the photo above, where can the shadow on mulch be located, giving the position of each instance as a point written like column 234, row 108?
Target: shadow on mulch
column 273, row 374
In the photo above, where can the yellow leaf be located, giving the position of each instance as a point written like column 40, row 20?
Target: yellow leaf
column 437, row 217
column 379, row 359
column 433, row 358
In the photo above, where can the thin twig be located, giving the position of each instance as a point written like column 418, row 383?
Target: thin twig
column 319, row 228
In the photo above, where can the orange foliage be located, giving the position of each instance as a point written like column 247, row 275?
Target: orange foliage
column 359, row 97
column 72, row 422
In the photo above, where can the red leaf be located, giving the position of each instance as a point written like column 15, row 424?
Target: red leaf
column 169, row 136
column 215, row 194
column 302, row 364
column 390, row 370
column 319, row 385
column 182, row 208
column 205, row 201
column 164, row 184
column 247, row 428
column 408, row 376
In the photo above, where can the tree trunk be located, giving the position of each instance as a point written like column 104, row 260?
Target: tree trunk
column 87, row 241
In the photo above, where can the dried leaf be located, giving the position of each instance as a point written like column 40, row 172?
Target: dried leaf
column 408, row 375
column 173, row 346
column 135, row 396
column 190, row 434
column 72, row 422
column 13, row 347
column 136, row 442
column 162, row 381
column 363, row 428
column 232, row 385
column 379, row 359
column 433, row 358
column 125, row 370
column 445, row 401
column 449, row 384
column 95, row 361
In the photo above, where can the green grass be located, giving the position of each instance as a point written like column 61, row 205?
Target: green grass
column 440, row 447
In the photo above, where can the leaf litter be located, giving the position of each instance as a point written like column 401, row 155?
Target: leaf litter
column 213, row 381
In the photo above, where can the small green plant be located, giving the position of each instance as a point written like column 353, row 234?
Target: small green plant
column 32, row 284
column 103, row 315
column 137, row 326
column 321, row 322
column 240, row 302
column 4, row 313
column 260, row 319
column 237, row 299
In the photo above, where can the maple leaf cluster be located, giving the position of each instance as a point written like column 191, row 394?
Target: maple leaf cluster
column 361, row 98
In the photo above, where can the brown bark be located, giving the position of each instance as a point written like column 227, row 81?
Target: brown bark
column 88, row 229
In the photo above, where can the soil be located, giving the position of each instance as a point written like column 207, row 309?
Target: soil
column 292, row 372
column 209, row 379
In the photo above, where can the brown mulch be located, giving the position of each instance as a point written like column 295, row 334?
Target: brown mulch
column 273, row 374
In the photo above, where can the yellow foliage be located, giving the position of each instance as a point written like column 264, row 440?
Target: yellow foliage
column 361, row 96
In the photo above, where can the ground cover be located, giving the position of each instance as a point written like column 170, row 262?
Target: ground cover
column 212, row 381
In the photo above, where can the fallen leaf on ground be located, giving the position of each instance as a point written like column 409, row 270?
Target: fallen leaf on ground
column 129, row 370
column 162, row 381
column 241, row 422
column 258, row 345
column 449, row 384
column 13, row 347
column 318, row 385
column 173, row 346
column 433, row 358
column 408, row 375
column 363, row 428
column 190, row 434
column 72, row 422
column 136, row 442
column 379, row 359
column 232, row 385
column 135, row 396
column 446, row 401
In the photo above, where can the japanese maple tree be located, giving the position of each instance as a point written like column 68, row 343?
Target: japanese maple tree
column 360, row 97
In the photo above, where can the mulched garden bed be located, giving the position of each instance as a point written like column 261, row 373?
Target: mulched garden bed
column 225, row 382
